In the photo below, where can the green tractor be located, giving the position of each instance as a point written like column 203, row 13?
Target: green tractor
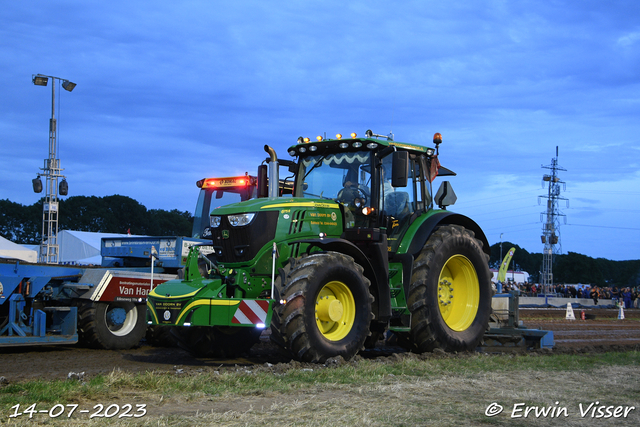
column 360, row 247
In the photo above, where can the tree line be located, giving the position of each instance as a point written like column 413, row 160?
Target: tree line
column 110, row 214
column 571, row 267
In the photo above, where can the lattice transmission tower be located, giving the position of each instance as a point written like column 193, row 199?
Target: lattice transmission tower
column 551, row 224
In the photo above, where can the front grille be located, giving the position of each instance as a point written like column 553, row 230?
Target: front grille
column 297, row 221
column 238, row 244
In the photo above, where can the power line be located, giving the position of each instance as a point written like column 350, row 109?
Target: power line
column 501, row 195
column 512, row 231
column 626, row 193
column 489, row 204
column 606, row 226
column 602, row 210
column 501, row 218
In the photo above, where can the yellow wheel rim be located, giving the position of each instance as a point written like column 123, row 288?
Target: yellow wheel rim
column 458, row 293
column 335, row 311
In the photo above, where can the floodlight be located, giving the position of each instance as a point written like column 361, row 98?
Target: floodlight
column 40, row 80
column 67, row 85
column 63, row 188
column 37, row 185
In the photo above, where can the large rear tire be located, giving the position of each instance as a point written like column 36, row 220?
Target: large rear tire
column 450, row 293
column 111, row 325
column 326, row 308
column 216, row 341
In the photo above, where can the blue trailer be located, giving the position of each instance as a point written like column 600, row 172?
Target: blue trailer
column 42, row 304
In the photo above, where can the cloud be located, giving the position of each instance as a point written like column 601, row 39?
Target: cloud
column 170, row 94
column 629, row 39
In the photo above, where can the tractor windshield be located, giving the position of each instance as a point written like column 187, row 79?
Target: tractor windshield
column 211, row 198
column 344, row 177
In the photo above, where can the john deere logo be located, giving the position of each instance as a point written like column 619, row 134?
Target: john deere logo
column 225, row 234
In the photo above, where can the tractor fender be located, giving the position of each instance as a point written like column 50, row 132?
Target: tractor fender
column 382, row 309
column 421, row 235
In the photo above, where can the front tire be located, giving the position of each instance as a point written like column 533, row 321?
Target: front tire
column 326, row 310
column 111, row 325
column 450, row 293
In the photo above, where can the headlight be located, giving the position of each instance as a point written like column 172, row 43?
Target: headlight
column 214, row 221
column 240, row 219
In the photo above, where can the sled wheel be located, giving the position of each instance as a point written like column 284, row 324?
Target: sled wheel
column 326, row 308
column 111, row 325
column 450, row 293
column 216, row 341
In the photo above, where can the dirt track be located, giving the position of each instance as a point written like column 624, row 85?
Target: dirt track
column 604, row 333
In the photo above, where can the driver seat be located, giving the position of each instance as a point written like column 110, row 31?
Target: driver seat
column 397, row 204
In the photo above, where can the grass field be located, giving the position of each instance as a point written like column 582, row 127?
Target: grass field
column 401, row 390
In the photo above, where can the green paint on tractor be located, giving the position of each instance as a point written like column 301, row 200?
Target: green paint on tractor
column 353, row 244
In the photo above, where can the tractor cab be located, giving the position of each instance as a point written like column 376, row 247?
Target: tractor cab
column 379, row 183
column 217, row 192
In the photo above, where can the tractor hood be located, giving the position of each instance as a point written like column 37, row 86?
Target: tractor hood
column 169, row 302
column 177, row 289
column 261, row 205
column 244, row 232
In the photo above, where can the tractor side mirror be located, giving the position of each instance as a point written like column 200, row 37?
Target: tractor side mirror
column 400, row 169
column 263, row 190
column 445, row 195
column 290, row 164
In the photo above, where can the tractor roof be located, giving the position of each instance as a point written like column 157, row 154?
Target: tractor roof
column 373, row 142
column 321, row 145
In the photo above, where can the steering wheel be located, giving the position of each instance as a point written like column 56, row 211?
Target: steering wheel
column 353, row 192
column 365, row 191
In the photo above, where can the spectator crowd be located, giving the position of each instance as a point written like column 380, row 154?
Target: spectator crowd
column 626, row 297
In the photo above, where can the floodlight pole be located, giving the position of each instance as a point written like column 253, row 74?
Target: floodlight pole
column 551, row 228
column 49, row 248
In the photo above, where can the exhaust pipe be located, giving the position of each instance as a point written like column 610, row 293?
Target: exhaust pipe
column 274, row 178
